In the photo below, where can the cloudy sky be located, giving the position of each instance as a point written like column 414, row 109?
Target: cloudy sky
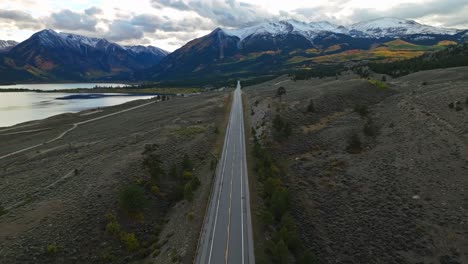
column 169, row 24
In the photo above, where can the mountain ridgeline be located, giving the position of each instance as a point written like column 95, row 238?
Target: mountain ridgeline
column 273, row 48
column 263, row 50
column 454, row 56
column 51, row 56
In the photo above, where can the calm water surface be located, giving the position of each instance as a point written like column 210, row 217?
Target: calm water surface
column 19, row 107
column 59, row 86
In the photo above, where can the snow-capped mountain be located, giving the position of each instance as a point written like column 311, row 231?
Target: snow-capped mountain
column 147, row 49
column 65, row 56
column 395, row 27
column 6, row 45
column 377, row 28
column 51, row 38
column 308, row 30
column 271, row 45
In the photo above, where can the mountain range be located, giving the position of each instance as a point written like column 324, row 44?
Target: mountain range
column 6, row 45
column 281, row 46
column 51, row 56
column 263, row 49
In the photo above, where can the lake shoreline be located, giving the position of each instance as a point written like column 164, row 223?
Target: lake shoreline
column 99, row 90
column 21, row 108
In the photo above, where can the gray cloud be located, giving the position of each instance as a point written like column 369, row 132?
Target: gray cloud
column 93, row 11
column 120, row 30
column 148, row 22
column 182, row 37
column 196, row 16
column 16, row 15
column 227, row 13
column 151, row 23
column 69, row 20
column 20, row 19
column 434, row 8
column 176, row 4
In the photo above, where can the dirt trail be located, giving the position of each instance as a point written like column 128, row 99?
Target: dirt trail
column 74, row 126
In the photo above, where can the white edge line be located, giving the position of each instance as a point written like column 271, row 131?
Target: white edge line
column 222, row 178
column 241, row 180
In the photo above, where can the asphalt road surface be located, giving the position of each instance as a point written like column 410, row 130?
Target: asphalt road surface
column 227, row 231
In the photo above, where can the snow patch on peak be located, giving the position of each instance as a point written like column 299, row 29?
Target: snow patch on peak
column 306, row 29
column 72, row 38
column 395, row 27
column 263, row 28
column 6, row 45
column 376, row 28
column 150, row 49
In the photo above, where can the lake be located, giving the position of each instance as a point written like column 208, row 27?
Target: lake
column 19, row 107
column 59, row 86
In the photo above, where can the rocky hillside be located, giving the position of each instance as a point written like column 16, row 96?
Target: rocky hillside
column 51, row 56
column 6, row 45
column 275, row 47
column 376, row 172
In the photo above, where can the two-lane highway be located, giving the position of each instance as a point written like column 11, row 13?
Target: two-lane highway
column 227, row 231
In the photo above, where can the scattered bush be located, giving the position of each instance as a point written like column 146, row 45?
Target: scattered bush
column 130, row 241
column 288, row 233
column 453, row 56
column 319, row 71
column 173, row 172
column 306, row 258
column 311, row 107
column 369, row 129
column 282, row 129
column 279, row 202
column 175, row 257
column 132, row 199
column 139, row 181
column 281, row 253
column 378, row 84
column 275, row 214
column 384, row 78
column 153, row 163
column 188, row 192
column 451, row 105
column 424, row 83
column 212, row 164
column 156, row 253
column 280, row 92
column 267, row 218
column 108, row 257
column 187, row 175
column 113, row 228
column 216, row 131
column 466, row 101
column 458, row 108
column 3, row 210
column 110, row 217
column 190, row 216
column 52, row 248
column 195, row 182
column 362, row 110
column 354, row 144
column 155, row 189
column 187, row 163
